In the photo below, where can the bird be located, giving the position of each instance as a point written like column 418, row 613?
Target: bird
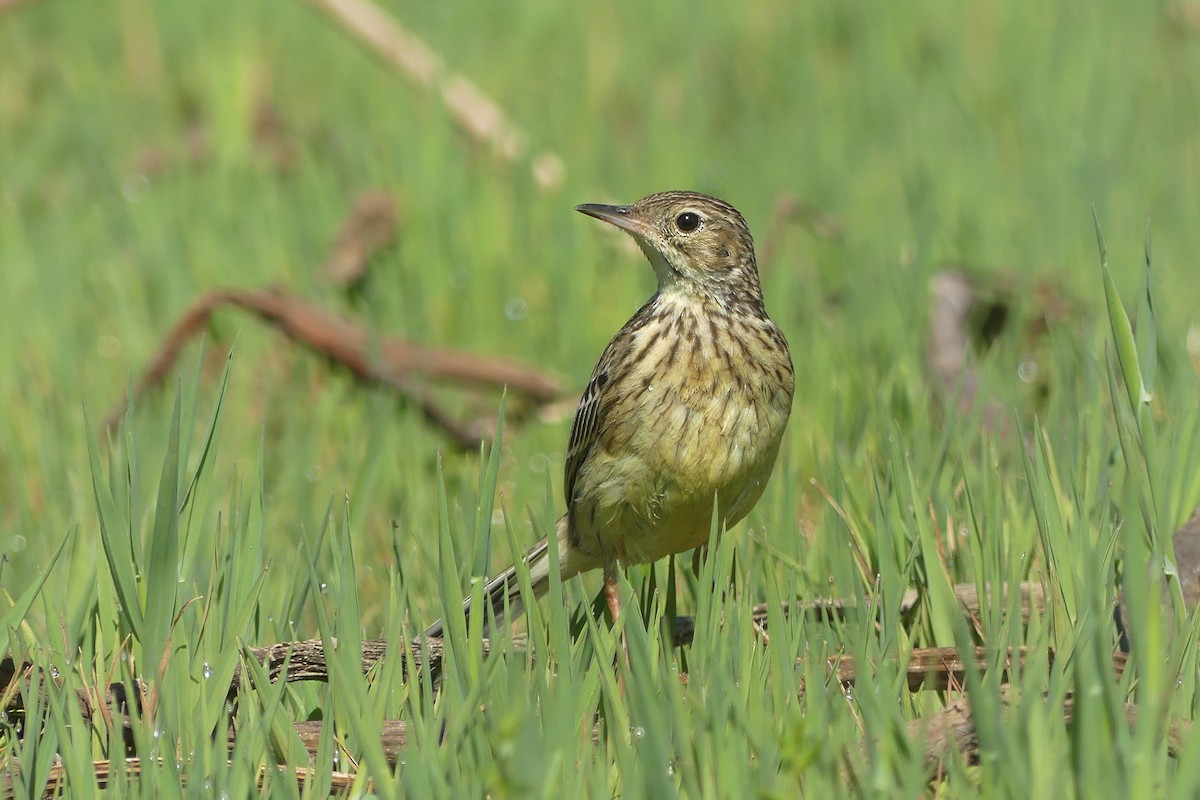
column 686, row 407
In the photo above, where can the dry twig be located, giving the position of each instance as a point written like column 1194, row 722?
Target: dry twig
column 396, row 363
column 1187, row 557
column 790, row 209
column 950, row 733
column 306, row 659
column 949, row 352
column 946, row 733
column 969, row 313
column 117, row 773
column 369, row 228
column 476, row 113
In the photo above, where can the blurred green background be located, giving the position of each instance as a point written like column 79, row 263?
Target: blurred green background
column 979, row 133
column 976, row 133
column 151, row 151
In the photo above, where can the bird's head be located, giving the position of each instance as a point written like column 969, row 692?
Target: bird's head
column 695, row 242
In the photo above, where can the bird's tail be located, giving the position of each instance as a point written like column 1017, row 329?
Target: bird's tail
column 502, row 594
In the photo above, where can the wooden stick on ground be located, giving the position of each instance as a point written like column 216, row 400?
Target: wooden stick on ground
column 946, row 733
column 948, row 354
column 476, row 113
column 307, row 657
column 950, row 733
column 399, row 364
column 107, row 773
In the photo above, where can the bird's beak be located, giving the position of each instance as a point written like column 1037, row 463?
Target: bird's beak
column 619, row 216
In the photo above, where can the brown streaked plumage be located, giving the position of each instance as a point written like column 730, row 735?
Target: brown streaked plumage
column 687, row 404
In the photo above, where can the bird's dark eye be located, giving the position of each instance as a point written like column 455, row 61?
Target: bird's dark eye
column 687, row 221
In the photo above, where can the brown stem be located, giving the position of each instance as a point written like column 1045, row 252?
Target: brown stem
column 396, row 363
column 478, row 115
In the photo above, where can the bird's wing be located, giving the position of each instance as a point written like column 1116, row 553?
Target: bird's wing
column 586, row 428
column 600, row 397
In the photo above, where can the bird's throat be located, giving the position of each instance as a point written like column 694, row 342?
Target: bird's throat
column 666, row 274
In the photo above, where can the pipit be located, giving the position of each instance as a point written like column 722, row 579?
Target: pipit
column 686, row 407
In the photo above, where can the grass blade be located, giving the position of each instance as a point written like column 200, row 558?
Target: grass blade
column 118, row 550
column 162, row 583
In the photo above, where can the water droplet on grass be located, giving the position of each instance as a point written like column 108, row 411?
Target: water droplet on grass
column 135, row 188
column 108, row 346
column 516, row 309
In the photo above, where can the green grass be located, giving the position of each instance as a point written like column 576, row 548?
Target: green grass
column 269, row 497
